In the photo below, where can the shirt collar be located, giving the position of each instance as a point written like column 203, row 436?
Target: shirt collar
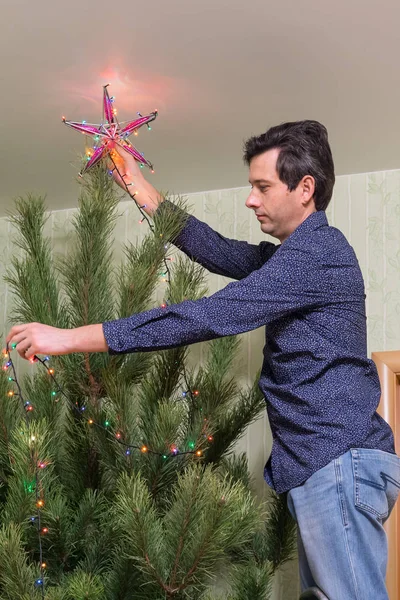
column 314, row 221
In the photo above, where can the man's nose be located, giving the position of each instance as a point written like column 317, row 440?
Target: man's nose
column 251, row 201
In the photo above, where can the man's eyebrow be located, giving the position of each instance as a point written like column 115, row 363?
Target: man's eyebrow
column 260, row 181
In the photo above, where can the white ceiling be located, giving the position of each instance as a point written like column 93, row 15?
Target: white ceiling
column 218, row 71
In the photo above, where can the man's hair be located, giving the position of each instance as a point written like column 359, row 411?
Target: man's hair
column 304, row 150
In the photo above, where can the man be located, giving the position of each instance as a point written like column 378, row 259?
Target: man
column 332, row 453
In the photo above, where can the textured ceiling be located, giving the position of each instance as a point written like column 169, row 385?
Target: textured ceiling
column 218, row 71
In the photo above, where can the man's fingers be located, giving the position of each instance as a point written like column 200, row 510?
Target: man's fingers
column 120, row 150
column 18, row 339
column 28, row 353
column 15, row 330
column 21, row 342
column 118, row 155
column 22, row 348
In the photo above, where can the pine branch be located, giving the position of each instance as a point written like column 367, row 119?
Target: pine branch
column 11, row 413
column 234, row 423
column 86, row 272
column 139, row 275
column 236, row 467
column 24, row 456
column 274, row 543
column 84, row 586
column 221, row 354
column 17, row 577
column 137, row 518
column 218, row 514
column 251, row 581
column 280, row 532
column 32, row 279
column 187, row 283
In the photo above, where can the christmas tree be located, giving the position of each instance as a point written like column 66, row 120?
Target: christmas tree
column 118, row 477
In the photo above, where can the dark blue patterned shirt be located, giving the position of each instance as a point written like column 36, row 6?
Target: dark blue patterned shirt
column 321, row 390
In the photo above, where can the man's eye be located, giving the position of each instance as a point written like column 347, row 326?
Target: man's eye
column 264, row 188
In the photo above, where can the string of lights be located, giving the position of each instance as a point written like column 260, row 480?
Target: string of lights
column 36, row 464
column 29, row 407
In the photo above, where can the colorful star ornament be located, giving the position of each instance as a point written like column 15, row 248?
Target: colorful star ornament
column 111, row 133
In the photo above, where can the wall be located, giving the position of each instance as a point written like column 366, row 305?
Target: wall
column 365, row 207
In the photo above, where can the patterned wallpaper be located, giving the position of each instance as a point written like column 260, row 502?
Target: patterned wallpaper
column 366, row 207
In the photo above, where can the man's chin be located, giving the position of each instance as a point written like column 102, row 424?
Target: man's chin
column 266, row 228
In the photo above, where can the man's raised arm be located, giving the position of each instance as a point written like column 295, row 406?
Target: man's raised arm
column 218, row 254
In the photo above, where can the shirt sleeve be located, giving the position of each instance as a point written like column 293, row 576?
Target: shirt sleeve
column 288, row 283
column 218, row 254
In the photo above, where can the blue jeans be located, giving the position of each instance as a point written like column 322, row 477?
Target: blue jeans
column 340, row 511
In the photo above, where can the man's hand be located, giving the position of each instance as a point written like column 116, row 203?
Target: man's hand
column 36, row 338
column 125, row 168
column 130, row 178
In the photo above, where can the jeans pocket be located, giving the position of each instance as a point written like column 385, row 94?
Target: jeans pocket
column 376, row 481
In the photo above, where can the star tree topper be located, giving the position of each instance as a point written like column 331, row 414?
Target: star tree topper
column 111, row 133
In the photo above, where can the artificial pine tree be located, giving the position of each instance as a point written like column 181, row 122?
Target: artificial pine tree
column 118, row 480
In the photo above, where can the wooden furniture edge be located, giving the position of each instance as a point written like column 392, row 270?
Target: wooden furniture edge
column 388, row 365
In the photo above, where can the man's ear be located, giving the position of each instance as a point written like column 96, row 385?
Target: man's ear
column 308, row 188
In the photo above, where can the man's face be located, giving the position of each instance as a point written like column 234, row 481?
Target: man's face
column 278, row 210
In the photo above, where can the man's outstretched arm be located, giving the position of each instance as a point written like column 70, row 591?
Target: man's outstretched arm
column 266, row 295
